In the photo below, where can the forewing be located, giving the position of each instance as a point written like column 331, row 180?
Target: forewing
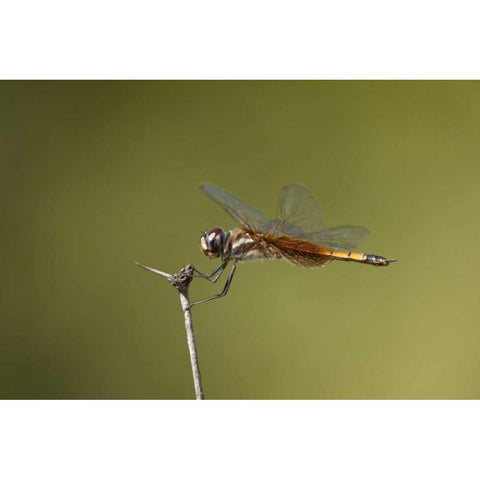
column 245, row 215
column 298, row 212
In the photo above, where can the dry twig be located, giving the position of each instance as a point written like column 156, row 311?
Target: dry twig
column 181, row 281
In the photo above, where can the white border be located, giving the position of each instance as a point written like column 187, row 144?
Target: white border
column 240, row 439
column 239, row 40
column 251, row 39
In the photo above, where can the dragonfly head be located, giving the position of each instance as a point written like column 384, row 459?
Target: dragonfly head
column 212, row 243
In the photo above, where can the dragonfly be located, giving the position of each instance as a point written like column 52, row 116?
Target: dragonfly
column 297, row 235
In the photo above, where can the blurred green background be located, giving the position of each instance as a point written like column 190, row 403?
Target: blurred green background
column 96, row 175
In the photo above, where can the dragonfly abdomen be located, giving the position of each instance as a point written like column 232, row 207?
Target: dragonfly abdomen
column 368, row 258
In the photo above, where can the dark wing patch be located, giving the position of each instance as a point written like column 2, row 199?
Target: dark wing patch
column 300, row 252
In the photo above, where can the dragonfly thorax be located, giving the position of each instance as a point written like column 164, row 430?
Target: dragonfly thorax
column 212, row 243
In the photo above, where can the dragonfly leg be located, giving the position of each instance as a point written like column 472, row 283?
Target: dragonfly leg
column 216, row 273
column 223, row 292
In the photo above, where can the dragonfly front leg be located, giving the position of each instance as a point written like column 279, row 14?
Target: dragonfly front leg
column 216, row 273
column 225, row 288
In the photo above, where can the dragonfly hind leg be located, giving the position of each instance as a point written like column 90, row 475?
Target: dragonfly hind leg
column 215, row 273
column 225, row 287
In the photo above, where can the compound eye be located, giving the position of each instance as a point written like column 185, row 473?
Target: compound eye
column 214, row 233
column 212, row 242
column 215, row 239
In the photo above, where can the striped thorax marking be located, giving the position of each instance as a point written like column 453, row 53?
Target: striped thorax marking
column 244, row 246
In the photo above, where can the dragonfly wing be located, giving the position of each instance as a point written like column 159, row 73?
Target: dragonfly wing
column 314, row 249
column 298, row 212
column 299, row 217
column 345, row 237
column 245, row 215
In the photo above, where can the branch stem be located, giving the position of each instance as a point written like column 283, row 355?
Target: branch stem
column 192, row 346
column 181, row 281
